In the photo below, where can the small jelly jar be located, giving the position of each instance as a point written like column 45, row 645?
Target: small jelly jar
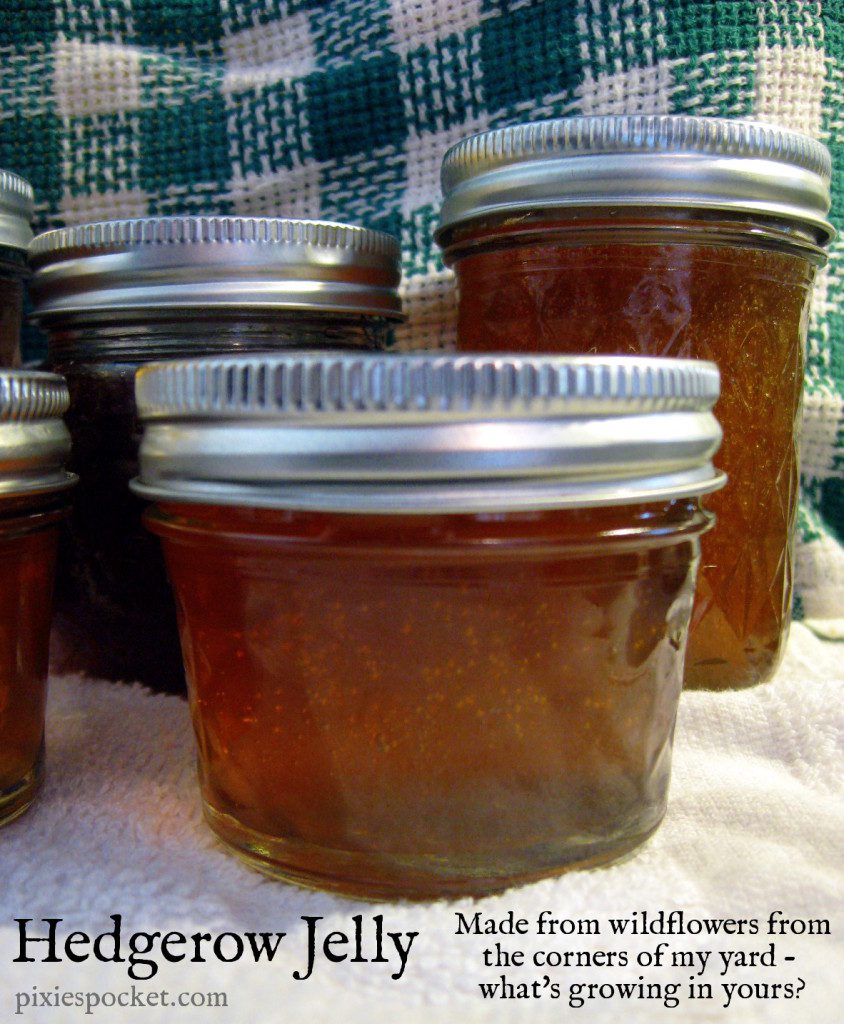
column 34, row 445
column 15, row 235
column 433, row 609
column 664, row 236
column 116, row 295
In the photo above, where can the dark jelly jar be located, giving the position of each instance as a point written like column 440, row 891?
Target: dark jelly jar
column 15, row 235
column 665, row 236
column 433, row 609
column 116, row 295
column 34, row 444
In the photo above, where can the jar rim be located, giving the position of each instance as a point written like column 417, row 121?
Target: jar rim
column 16, row 209
column 425, row 432
column 34, row 441
column 656, row 226
column 189, row 264
column 657, row 161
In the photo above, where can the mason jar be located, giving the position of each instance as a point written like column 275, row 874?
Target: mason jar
column 433, row 609
column 116, row 295
column 34, row 445
column 669, row 236
column 16, row 201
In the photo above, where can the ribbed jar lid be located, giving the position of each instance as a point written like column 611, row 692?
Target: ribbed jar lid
column 198, row 264
column 640, row 160
column 427, row 433
column 16, row 207
column 34, row 442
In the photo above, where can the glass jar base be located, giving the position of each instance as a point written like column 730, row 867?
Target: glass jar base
column 16, row 800
column 757, row 666
column 387, row 877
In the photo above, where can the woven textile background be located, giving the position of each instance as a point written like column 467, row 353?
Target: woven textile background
column 117, row 108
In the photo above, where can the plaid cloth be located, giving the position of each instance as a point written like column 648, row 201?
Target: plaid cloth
column 343, row 110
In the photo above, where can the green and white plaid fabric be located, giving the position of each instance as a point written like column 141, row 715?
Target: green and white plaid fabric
column 343, row 110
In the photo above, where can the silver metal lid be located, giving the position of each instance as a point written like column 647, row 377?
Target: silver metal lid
column 34, row 442
column 427, row 433
column 16, row 202
column 139, row 268
column 639, row 160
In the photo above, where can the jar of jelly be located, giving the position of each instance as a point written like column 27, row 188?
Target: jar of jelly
column 116, row 295
column 15, row 235
column 665, row 236
column 433, row 608
column 34, row 445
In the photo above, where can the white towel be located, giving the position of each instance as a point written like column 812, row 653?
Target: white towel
column 755, row 824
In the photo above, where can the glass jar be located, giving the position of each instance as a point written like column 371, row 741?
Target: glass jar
column 16, row 201
column 34, row 444
column 433, row 609
column 114, row 296
column 669, row 236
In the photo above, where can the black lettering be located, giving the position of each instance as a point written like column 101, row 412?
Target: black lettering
column 76, row 939
column 218, row 947
column 403, row 951
column 266, row 945
column 173, row 939
column 335, row 939
column 114, row 935
column 465, row 927
column 51, row 957
column 311, row 923
column 198, row 938
column 141, row 943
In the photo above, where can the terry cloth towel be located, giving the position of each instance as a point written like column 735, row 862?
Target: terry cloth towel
column 755, row 824
column 343, row 111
